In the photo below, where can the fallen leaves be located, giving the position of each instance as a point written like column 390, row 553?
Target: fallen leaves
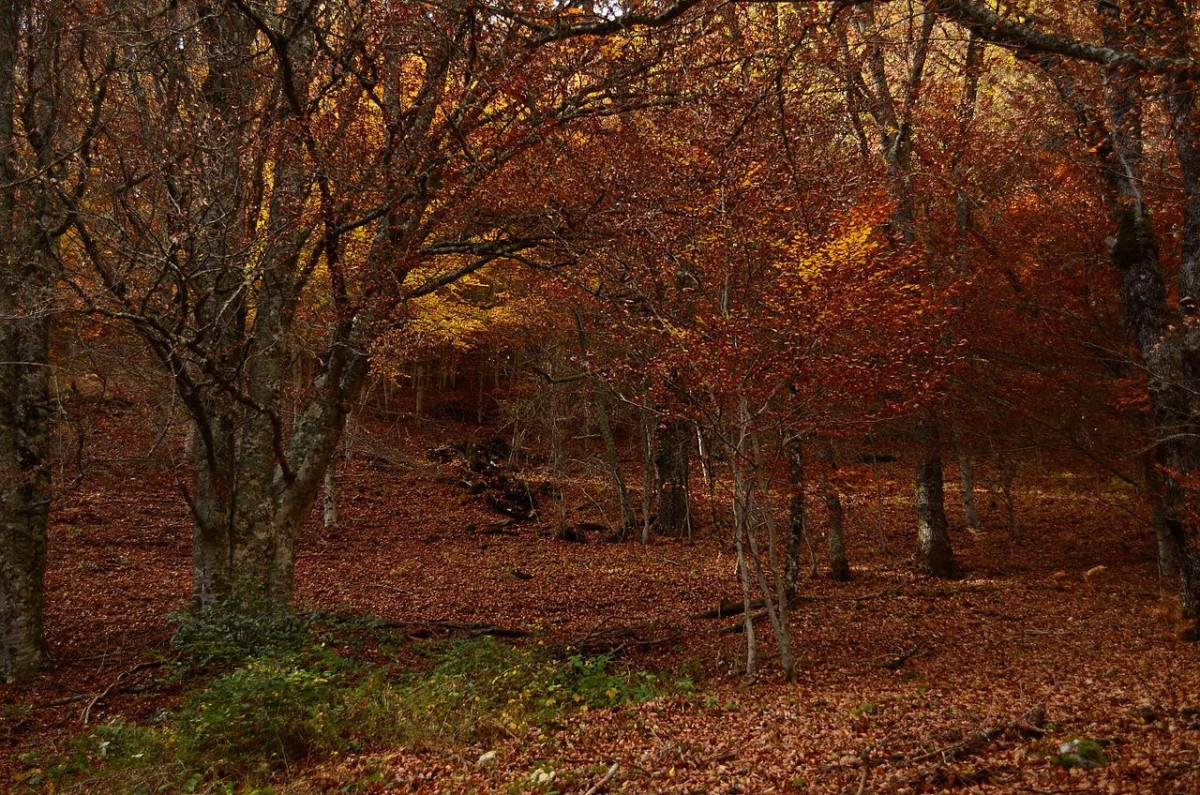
column 951, row 672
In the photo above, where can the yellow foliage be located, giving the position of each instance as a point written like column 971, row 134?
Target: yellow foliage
column 461, row 314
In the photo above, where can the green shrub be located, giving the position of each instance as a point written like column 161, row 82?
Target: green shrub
column 231, row 634
column 278, row 707
column 114, row 756
column 480, row 687
column 263, row 716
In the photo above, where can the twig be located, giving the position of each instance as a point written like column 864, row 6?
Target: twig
column 86, row 715
column 603, row 782
column 1030, row 721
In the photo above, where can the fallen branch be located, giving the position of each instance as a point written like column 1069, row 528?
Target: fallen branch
column 428, row 629
column 896, row 663
column 617, row 639
column 740, row 626
column 86, row 715
column 58, row 702
column 599, row 786
column 728, row 608
column 1029, row 723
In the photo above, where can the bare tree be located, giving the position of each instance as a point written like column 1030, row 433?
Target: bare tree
column 53, row 80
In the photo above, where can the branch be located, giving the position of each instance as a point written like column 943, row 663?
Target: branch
column 991, row 26
column 598, row 26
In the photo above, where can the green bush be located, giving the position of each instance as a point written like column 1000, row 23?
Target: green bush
column 278, row 707
column 481, row 687
column 231, row 634
column 263, row 716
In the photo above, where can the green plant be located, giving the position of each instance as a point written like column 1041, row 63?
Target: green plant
column 864, row 708
column 263, row 716
column 481, row 687
column 230, row 634
column 1080, row 752
column 114, row 756
column 288, row 702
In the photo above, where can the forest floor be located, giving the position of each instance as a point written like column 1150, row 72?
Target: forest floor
column 905, row 684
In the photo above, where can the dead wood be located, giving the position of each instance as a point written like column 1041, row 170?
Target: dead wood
column 727, row 608
column 600, row 785
column 614, row 640
column 86, row 715
column 896, row 663
column 1029, row 723
column 740, row 626
column 473, row 629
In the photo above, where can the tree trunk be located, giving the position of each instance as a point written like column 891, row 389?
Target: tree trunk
column 647, row 438
column 880, row 523
column 935, row 556
column 967, row 478
column 1167, row 341
column 1007, row 470
column 30, row 223
column 671, row 460
column 1168, row 556
column 329, row 515
column 248, row 509
column 839, row 566
column 796, row 529
column 25, row 485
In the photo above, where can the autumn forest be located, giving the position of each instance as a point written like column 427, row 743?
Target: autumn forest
column 583, row 396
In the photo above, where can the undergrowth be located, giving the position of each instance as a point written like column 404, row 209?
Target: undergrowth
column 283, row 690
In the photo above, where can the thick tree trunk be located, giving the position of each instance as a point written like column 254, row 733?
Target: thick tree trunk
column 27, row 278
column 671, row 463
column 1168, row 555
column 1179, row 419
column 25, row 486
column 329, row 512
column 1167, row 341
column 935, row 556
column 248, row 509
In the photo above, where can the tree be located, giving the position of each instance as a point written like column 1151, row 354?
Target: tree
column 1138, row 39
column 281, row 158
column 54, row 73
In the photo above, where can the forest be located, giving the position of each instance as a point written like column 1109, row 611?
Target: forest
column 599, row 396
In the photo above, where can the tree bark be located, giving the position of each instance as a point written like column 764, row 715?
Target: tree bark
column 967, row 478
column 671, row 464
column 36, row 85
column 935, row 556
column 839, row 565
column 25, row 475
column 796, row 517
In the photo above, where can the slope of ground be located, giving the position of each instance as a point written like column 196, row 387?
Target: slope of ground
column 905, row 684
